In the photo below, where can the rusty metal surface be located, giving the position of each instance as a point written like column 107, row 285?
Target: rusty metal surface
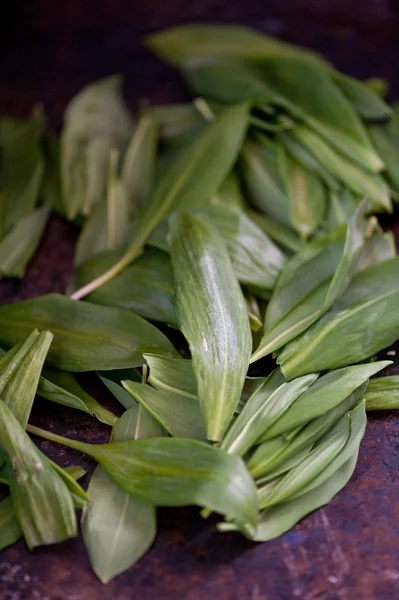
column 348, row 550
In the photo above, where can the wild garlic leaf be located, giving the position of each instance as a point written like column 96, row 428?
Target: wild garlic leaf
column 178, row 45
column 87, row 337
column 177, row 123
column 326, row 393
column 95, row 121
column 180, row 415
column 50, row 191
column 42, row 502
column 212, row 315
column 117, row 528
column 70, row 476
column 172, row 375
column 369, row 105
column 138, row 169
column 383, row 393
column 368, row 185
column 311, row 283
column 21, row 169
column 378, row 247
column 364, row 320
column 388, row 151
column 271, row 454
column 308, row 199
column 113, row 382
column 283, row 236
column 278, row 519
column 341, row 207
column 20, row 370
column 191, row 179
column 62, row 387
column 20, row 244
column 92, row 239
column 135, row 424
column 175, row 472
column 10, row 530
column 146, row 287
column 262, row 410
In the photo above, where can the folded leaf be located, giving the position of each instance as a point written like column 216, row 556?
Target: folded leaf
column 311, row 283
column 86, row 336
column 172, row 374
column 383, row 393
column 117, row 528
column 175, row 472
column 61, row 387
column 42, row 502
column 212, row 315
column 138, row 170
column 364, row 320
column 96, row 121
column 19, row 245
column 180, row 415
column 20, row 370
column 263, row 409
column 146, row 287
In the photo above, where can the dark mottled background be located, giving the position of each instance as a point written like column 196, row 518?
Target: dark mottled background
column 349, row 550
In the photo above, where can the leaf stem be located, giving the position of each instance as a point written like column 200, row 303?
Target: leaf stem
column 59, row 439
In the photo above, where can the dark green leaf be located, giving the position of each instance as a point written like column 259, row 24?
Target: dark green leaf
column 10, row 531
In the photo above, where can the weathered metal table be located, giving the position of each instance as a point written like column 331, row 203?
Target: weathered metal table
column 348, row 550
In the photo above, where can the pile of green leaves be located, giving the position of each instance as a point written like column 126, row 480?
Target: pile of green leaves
column 245, row 220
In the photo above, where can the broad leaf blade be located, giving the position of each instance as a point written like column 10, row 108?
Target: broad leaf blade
column 213, row 317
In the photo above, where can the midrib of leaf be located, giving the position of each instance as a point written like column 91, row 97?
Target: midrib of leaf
column 122, row 515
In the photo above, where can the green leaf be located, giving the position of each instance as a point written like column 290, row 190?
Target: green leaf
column 138, row 170
column 117, row 528
column 113, row 382
column 263, row 409
column 146, row 287
column 388, row 151
column 70, row 475
column 96, row 120
column 135, row 424
column 180, row 415
column 42, row 502
column 172, row 375
column 20, row 370
column 383, row 393
column 87, row 337
column 20, row 244
column 92, row 239
column 212, row 316
column 183, row 43
column 175, row 472
column 21, row 168
column 341, row 207
column 369, row 105
column 308, row 199
column 272, row 455
column 326, row 393
column 364, row 320
column 280, row 234
column 378, row 247
column 310, row 284
column 50, row 190
column 191, row 179
column 10, row 531
column 61, row 387
column 177, row 123
column 368, row 185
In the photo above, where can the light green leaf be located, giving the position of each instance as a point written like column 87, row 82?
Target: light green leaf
column 180, row 415
column 61, row 387
column 341, row 207
column 92, row 239
column 42, row 502
column 213, row 317
column 383, row 393
column 175, row 472
column 87, row 337
column 177, row 123
column 20, row 244
column 10, row 531
column 20, row 370
column 95, row 121
column 117, row 207
column 364, row 320
column 172, row 375
column 263, row 409
column 369, row 105
column 327, row 392
column 138, row 170
column 389, row 153
column 117, row 528
column 146, row 287
column 311, row 283
column 368, row 185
